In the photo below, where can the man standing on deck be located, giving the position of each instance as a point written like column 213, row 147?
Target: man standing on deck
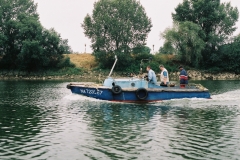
column 183, row 77
column 164, row 76
column 151, row 76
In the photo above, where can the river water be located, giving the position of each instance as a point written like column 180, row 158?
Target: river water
column 43, row 120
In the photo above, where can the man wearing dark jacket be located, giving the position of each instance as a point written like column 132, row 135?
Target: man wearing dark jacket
column 183, row 77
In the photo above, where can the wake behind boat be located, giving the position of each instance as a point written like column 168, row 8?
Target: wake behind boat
column 136, row 90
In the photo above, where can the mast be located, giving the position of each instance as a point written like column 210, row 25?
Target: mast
column 113, row 66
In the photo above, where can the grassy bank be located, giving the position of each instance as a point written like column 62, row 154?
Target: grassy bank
column 82, row 63
column 85, row 61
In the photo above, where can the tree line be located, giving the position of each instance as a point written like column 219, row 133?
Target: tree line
column 201, row 36
column 24, row 43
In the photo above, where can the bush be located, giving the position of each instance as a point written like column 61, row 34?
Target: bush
column 64, row 71
column 214, row 70
column 134, row 67
column 65, row 62
column 138, row 57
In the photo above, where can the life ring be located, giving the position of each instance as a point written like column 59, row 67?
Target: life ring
column 116, row 89
column 141, row 93
column 69, row 86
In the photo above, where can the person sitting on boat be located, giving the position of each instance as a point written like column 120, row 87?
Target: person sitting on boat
column 151, row 75
column 183, row 77
column 164, row 76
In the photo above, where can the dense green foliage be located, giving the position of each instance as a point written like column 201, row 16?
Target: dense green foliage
column 141, row 49
column 228, row 57
column 183, row 39
column 202, row 30
column 117, row 27
column 24, row 43
column 142, row 60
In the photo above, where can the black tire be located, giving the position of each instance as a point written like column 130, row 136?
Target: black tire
column 116, row 89
column 68, row 86
column 141, row 93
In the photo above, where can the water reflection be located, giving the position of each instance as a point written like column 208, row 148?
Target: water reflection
column 137, row 131
column 118, row 130
column 19, row 127
column 220, row 86
column 42, row 120
column 23, row 115
column 201, row 132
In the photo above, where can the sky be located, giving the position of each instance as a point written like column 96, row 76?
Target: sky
column 66, row 17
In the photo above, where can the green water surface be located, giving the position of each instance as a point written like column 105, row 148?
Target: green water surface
column 43, row 120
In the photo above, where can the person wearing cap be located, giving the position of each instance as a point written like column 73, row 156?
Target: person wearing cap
column 164, row 76
column 183, row 77
column 151, row 76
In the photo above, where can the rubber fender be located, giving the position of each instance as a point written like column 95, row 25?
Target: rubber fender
column 141, row 93
column 116, row 89
column 68, row 86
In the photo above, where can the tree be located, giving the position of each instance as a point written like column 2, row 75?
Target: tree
column 141, row 49
column 228, row 57
column 183, row 39
column 24, row 43
column 116, row 27
column 44, row 52
column 216, row 20
column 18, row 19
column 163, row 50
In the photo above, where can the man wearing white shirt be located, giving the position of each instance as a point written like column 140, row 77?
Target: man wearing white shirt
column 164, row 76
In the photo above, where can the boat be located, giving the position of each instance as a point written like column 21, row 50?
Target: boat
column 136, row 90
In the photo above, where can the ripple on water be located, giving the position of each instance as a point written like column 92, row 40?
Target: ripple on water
column 45, row 121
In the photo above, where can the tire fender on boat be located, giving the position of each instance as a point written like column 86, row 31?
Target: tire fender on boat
column 116, row 89
column 141, row 93
column 69, row 86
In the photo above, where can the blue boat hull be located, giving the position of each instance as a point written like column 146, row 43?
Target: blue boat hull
column 131, row 95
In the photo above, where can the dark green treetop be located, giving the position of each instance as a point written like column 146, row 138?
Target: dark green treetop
column 24, row 43
column 183, row 39
column 228, row 57
column 217, row 21
column 116, row 27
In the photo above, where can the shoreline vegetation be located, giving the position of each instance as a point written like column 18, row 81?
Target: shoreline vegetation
column 203, row 43
column 86, row 69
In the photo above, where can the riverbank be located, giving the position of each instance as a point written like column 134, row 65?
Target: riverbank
column 85, row 69
column 101, row 75
column 204, row 75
